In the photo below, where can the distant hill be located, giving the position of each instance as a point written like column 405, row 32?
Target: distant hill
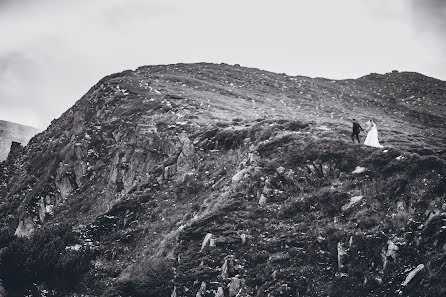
column 10, row 132
column 216, row 180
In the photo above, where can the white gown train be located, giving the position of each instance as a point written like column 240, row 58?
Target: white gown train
column 372, row 137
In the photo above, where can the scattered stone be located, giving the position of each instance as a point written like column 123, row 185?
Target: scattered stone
column 359, row 169
column 278, row 257
column 75, row 247
column 281, row 170
column 341, row 253
column 206, row 241
column 354, row 200
column 224, row 270
column 174, row 292
column 235, row 286
column 392, row 249
column 262, row 200
column 323, row 128
column 243, row 237
column 202, row 290
column 400, row 206
column 412, row 274
column 220, row 292
column 239, row 175
column 26, row 227
column 379, row 279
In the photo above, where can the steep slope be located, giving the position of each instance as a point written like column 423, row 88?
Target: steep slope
column 203, row 180
column 10, row 132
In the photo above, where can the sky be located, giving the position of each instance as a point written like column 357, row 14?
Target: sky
column 53, row 51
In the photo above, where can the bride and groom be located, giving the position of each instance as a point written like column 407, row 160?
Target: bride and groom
column 372, row 135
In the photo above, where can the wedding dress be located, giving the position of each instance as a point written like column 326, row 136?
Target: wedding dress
column 372, row 136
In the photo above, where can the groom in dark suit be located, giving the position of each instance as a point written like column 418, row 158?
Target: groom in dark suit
column 356, row 130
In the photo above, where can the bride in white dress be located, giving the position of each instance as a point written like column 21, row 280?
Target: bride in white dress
column 372, row 135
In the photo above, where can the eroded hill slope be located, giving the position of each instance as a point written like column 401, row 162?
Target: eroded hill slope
column 218, row 180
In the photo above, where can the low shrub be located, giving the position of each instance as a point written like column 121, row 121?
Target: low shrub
column 294, row 207
column 43, row 258
column 151, row 277
column 328, row 202
column 6, row 236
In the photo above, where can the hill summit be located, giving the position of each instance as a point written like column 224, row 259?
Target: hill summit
column 218, row 180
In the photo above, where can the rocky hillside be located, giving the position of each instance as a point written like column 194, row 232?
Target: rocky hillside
column 10, row 132
column 218, row 180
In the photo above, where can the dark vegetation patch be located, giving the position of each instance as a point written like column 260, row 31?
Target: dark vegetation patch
column 120, row 217
column 224, row 139
column 326, row 201
column 151, row 277
column 227, row 138
column 46, row 258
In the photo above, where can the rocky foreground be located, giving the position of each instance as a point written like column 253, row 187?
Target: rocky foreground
column 217, row 180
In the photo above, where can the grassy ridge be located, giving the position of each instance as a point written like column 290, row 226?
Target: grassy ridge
column 150, row 162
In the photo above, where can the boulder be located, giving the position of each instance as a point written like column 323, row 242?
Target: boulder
column 224, row 270
column 227, row 269
column 206, row 241
column 243, row 237
column 341, row 253
column 279, row 257
column 391, row 251
column 220, row 292
column 26, row 227
column 281, row 170
column 240, row 174
column 412, row 274
column 354, row 200
column 262, row 200
column 202, row 291
column 359, row 169
column 235, row 286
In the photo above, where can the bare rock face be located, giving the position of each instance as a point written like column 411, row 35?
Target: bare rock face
column 216, row 180
column 26, row 227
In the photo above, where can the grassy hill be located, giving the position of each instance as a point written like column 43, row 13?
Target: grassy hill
column 219, row 180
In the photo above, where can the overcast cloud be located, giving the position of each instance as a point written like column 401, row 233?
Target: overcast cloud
column 53, row 51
